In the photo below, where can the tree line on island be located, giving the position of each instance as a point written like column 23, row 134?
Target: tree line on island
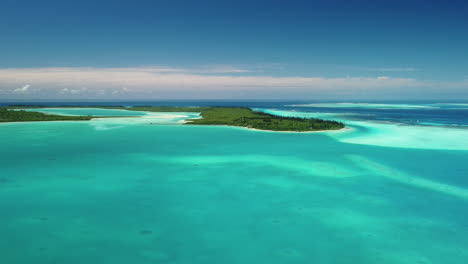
column 245, row 117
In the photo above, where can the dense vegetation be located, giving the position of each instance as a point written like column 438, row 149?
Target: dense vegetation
column 245, row 117
column 231, row 116
column 22, row 116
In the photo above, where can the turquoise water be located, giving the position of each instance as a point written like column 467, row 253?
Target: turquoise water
column 87, row 111
column 148, row 190
column 389, row 134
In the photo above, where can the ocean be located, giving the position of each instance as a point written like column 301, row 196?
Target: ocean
column 391, row 188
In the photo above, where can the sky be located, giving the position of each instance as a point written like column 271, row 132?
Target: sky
column 322, row 50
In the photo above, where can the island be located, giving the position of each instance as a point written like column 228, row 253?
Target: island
column 13, row 115
column 230, row 116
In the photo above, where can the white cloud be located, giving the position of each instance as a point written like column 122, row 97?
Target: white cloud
column 67, row 90
column 382, row 69
column 22, row 89
column 122, row 90
column 154, row 79
column 215, row 69
column 165, row 82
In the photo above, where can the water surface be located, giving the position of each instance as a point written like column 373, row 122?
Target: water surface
column 150, row 190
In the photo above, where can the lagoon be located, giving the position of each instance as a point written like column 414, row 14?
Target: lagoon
column 149, row 190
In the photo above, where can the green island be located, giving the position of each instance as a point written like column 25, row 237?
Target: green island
column 8, row 115
column 230, row 116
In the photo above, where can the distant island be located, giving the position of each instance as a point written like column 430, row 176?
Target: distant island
column 9, row 115
column 230, row 116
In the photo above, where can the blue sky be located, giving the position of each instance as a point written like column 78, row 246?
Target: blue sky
column 234, row 49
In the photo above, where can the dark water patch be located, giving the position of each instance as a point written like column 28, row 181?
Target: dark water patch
column 3, row 180
column 146, row 232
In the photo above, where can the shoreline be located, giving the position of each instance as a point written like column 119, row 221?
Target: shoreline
column 344, row 129
column 300, row 132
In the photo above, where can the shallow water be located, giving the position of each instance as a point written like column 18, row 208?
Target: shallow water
column 87, row 111
column 389, row 134
column 126, row 191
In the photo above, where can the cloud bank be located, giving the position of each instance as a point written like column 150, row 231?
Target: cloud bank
column 207, row 83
